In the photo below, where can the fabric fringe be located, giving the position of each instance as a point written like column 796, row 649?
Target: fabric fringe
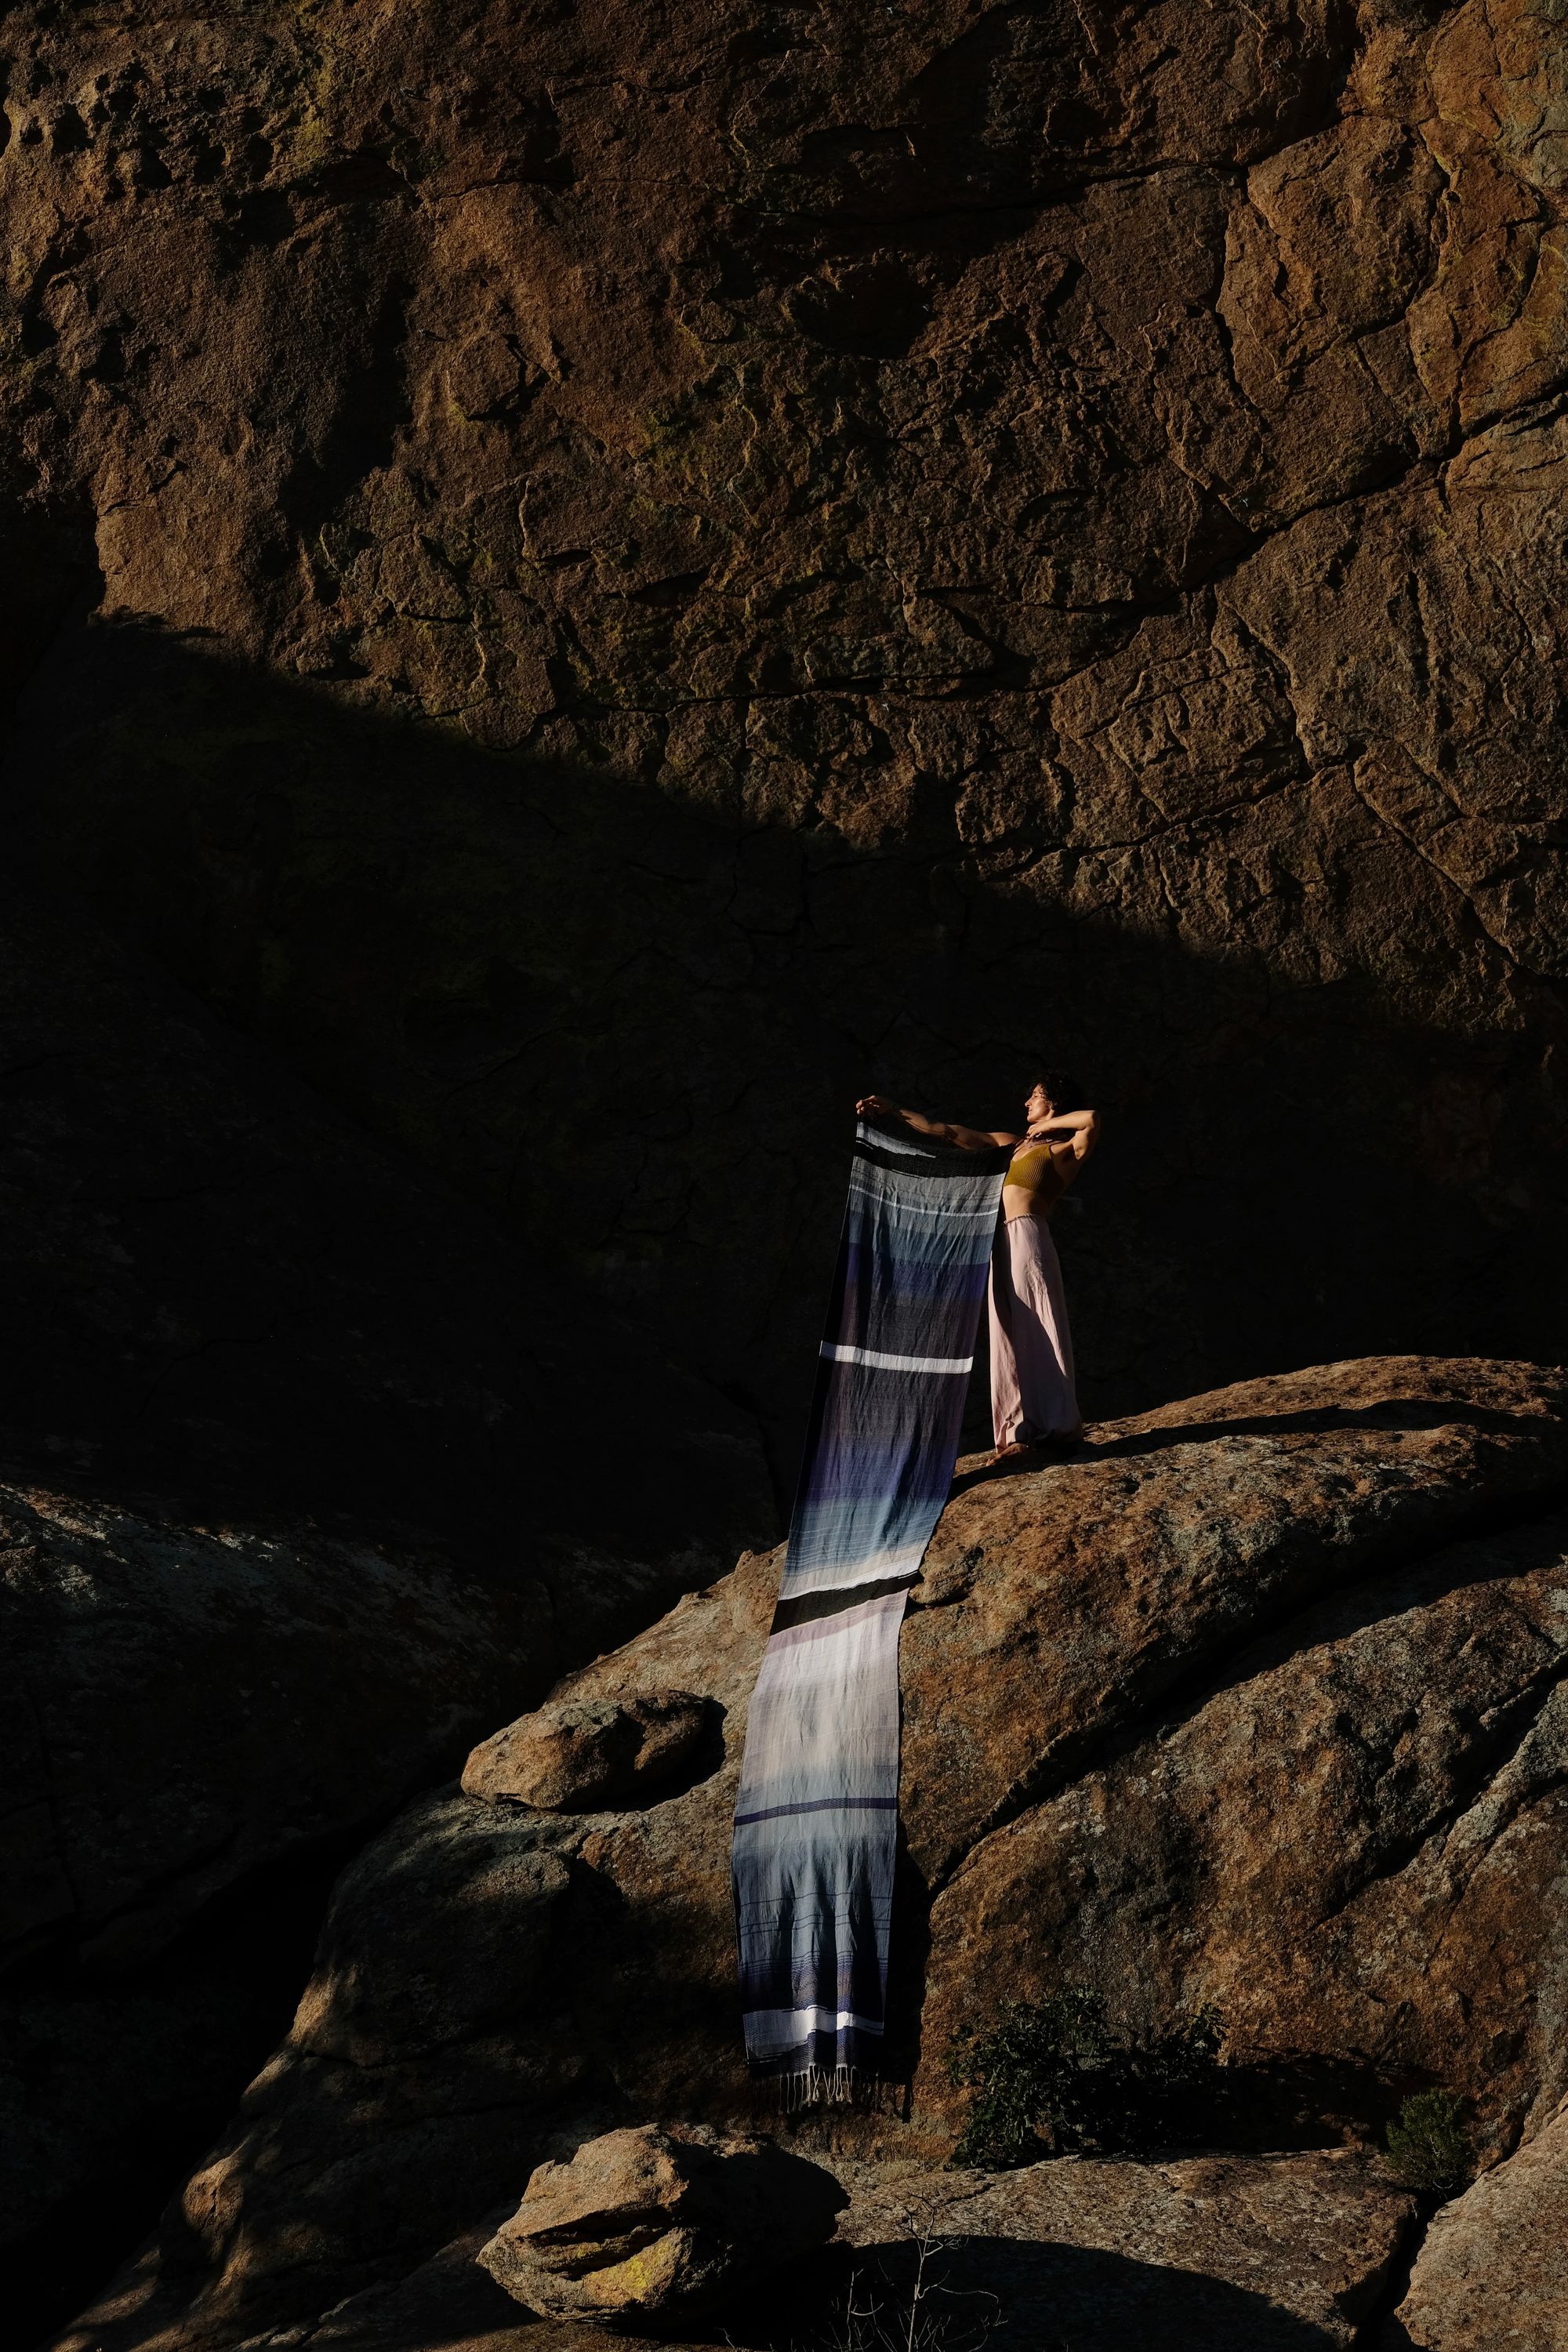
column 838, row 2086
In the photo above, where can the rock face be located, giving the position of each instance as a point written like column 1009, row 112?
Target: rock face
column 1368, row 1819
column 583, row 1757
column 1282, row 2254
column 186, row 1710
column 294, row 1457
column 306, row 1686
column 607, row 578
column 1256, row 1703
column 596, row 581
column 645, row 2222
column 277, row 1428
column 1258, row 2253
column 1492, row 2270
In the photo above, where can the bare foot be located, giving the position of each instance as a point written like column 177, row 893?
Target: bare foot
column 1055, row 1440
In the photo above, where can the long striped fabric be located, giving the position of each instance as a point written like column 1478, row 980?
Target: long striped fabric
column 816, row 1814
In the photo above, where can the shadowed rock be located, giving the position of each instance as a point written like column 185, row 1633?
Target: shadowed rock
column 1229, row 2254
column 291, row 1514
column 647, row 2221
column 307, row 1686
column 578, row 1759
column 185, row 1708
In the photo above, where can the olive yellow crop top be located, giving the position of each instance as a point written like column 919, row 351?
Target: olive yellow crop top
column 1033, row 1172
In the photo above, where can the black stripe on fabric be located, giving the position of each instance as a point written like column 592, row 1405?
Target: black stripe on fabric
column 944, row 1160
column 833, row 1602
column 822, row 1805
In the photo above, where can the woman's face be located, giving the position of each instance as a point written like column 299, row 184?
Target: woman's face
column 1038, row 1107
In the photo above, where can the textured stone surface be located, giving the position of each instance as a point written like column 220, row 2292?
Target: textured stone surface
column 281, row 1423
column 184, row 1710
column 1280, row 1660
column 902, row 539
column 1280, row 2252
column 108, row 2084
column 582, row 1758
column 1494, row 2267
column 644, row 2223
column 181, row 1704
column 451, row 2302
column 287, row 1434
column 1053, row 1611
column 1349, row 1848
column 599, row 581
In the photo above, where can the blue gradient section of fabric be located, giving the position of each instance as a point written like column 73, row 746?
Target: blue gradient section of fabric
column 816, row 1828
column 926, row 1309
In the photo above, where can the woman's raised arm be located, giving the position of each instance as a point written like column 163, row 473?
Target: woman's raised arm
column 968, row 1138
column 1078, row 1127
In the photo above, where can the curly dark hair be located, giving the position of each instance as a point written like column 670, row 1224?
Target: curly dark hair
column 1065, row 1092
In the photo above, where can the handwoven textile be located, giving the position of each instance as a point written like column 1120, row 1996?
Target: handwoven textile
column 816, row 1815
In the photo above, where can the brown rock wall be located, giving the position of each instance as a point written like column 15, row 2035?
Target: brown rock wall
column 1348, row 1851
column 1491, row 2269
column 898, row 544
column 229, row 1304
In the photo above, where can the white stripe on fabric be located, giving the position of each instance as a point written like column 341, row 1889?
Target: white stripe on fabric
column 789, row 2024
column 886, row 1143
column 893, row 1208
column 841, row 1353
column 840, row 1655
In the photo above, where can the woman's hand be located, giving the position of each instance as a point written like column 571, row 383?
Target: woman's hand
column 1069, row 1122
column 877, row 1106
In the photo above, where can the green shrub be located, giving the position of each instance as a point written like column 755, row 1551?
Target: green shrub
column 1427, row 2147
column 1052, row 2075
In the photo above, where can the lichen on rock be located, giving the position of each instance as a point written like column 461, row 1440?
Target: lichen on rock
column 645, row 2222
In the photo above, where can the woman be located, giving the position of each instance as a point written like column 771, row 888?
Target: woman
column 1033, row 1399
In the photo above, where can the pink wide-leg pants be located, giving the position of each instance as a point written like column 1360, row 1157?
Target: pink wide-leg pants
column 1031, row 1392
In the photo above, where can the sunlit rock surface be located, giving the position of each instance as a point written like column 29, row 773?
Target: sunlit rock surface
column 1257, row 1703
